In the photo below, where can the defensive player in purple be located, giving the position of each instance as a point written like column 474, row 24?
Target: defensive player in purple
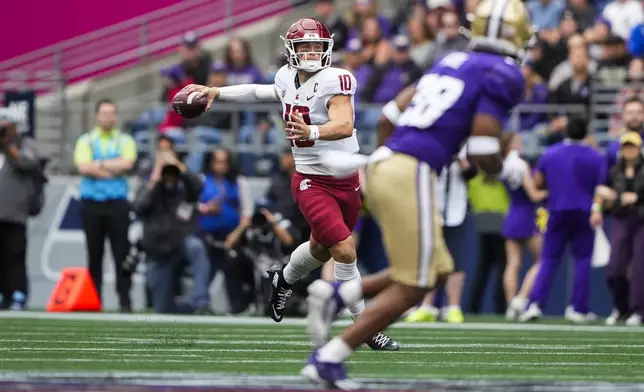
column 571, row 171
column 463, row 98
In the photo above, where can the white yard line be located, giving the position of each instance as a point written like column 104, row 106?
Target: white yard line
column 256, row 321
column 134, row 359
column 24, row 351
column 304, row 343
column 224, row 333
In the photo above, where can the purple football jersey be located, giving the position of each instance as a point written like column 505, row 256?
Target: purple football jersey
column 460, row 85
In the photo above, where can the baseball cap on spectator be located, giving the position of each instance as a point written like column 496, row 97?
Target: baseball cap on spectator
column 435, row 4
column 172, row 72
column 401, row 42
column 354, row 45
column 190, row 39
column 633, row 138
column 601, row 19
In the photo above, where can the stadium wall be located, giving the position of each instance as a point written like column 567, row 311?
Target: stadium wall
column 72, row 18
column 56, row 241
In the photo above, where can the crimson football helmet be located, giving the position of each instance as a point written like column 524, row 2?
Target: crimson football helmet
column 308, row 30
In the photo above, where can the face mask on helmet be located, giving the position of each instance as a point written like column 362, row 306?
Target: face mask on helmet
column 309, row 55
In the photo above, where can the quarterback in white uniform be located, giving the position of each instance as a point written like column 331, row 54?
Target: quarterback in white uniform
column 318, row 109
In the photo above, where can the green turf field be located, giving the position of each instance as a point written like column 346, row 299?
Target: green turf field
column 474, row 351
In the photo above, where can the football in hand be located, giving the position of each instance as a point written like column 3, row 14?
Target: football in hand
column 188, row 105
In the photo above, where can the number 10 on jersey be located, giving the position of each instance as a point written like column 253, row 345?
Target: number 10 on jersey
column 304, row 111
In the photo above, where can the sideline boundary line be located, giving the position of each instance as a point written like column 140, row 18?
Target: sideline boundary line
column 283, row 382
column 257, row 321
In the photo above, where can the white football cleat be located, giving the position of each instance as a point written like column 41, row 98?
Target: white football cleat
column 533, row 313
column 634, row 321
column 613, row 318
column 574, row 316
column 517, row 305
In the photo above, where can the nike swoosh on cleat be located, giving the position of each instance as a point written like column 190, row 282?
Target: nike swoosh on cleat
column 277, row 317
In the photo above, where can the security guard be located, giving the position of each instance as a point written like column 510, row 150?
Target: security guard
column 103, row 156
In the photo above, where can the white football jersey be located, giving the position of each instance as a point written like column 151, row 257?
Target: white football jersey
column 311, row 99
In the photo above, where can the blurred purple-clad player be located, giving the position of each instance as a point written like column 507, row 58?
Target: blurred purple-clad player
column 463, row 99
column 570, row 171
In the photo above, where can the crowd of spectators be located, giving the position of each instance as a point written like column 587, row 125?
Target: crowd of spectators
column 579, row 43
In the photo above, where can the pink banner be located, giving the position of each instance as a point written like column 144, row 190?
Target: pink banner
column 35, row 24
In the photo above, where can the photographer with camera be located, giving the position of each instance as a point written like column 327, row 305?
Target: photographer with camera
column 168, row 207
column 19, row 167
column 254, row 247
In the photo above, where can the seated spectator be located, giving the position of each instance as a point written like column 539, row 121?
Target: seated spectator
column 625, row 196
column 633, row 119
column 567, row 27
column 371, row 39
column 219, row 78
column 596, row 35
column 363, row 10
column 554, row 50
column 422, row 44
column 406, row 11
column 172, row 123
column 623, row 15
column 563, row 70
column 389, row 77
column 242, row 70
column 326, row 13
column 449, row 37
column 573, row 91
column 194, row 65
column 545, row 14
column 385, row 77
column 614, row 61
column 435, row 11
column 167, row 206
column 634, row 84
column 583, row 12
column 226, row 205
column 353, row 63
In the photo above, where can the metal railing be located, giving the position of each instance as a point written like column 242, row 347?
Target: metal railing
column 533, row 141
column 605, row 99
column 138, row 40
